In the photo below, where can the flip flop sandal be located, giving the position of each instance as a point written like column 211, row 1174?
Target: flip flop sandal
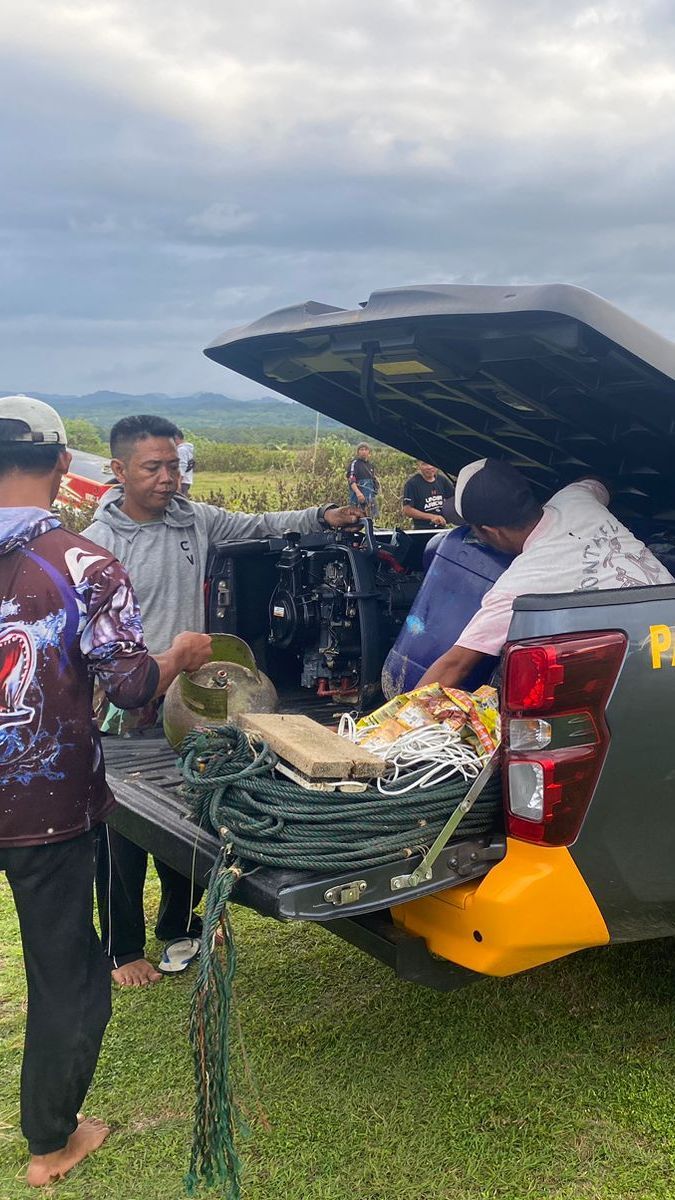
column 178, row 954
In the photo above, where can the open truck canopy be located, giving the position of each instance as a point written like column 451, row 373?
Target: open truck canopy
column 551, row 377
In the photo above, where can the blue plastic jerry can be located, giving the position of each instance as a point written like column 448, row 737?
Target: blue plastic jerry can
column 460, row 572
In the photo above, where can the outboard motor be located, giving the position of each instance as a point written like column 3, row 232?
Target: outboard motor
column 338, row 607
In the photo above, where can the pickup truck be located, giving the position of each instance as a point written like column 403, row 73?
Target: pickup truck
column 564, row 385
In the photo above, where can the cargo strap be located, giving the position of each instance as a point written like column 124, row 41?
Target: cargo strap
column 424, row 872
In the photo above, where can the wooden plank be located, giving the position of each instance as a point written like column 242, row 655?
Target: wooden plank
column 311, row 748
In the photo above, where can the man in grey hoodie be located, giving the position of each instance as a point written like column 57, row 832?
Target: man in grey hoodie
column 163, row 540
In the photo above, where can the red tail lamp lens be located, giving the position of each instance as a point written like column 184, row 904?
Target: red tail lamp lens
column 562, row 674
column 532, row 676
column 549, row 793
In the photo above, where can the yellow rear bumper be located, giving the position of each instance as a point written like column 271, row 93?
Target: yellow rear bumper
column 530, row 908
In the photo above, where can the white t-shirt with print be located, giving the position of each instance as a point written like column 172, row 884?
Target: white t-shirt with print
column 186, row 454
column 577, row 546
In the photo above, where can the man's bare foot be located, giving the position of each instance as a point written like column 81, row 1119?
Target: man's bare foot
column 47, row 1168
column 138, row 973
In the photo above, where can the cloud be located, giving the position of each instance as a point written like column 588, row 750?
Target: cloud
column 220, row 218
column 163, row 179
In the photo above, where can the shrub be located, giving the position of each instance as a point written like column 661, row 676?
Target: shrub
column 82, row 435
column 77, row 519
column 231, row 456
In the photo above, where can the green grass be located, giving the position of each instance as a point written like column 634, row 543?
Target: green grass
column 557, row 1085
column 233, row 482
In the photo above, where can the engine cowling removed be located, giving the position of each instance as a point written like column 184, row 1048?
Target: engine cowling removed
column 339, row 608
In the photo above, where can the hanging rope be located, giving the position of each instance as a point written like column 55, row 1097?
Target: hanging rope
column 214, row 1158
column 230, row 787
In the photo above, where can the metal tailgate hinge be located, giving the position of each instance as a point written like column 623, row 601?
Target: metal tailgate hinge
column 345, row 893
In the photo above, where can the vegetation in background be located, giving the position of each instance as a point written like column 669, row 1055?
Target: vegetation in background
column 76, row 519
column 308, row 478
column 267, row 421
column 213, row 456
column 82, row 435
column 259, row 479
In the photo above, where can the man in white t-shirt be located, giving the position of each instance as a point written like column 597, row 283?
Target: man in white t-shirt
column 186, row 460
column 571, row 544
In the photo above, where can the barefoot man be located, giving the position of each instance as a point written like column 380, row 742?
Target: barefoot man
column 67, row 611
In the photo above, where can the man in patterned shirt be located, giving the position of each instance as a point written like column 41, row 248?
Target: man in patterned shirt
column 67, row 612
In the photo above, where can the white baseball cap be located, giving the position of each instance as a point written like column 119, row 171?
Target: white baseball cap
column 23, row 419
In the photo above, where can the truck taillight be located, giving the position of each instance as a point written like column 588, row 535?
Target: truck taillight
column 553, row 700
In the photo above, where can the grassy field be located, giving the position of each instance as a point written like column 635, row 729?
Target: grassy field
column 555, row 1086
column 231, row 482
column 257, row 491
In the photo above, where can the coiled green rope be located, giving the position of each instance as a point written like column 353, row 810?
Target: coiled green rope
column 230, row 787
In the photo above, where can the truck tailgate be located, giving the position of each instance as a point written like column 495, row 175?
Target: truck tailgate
column 146, row 782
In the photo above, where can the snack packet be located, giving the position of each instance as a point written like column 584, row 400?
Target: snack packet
column 472, row 715
column 486, row 707
column 379, row 737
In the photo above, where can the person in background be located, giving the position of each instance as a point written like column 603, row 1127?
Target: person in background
column 186, row 458
column 427, row 497
column 67, row 611
column 364, row 485
column 572, row 543
column 163, row 539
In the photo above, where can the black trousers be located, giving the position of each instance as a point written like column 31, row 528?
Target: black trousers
column 120, row 878
column 68, row 983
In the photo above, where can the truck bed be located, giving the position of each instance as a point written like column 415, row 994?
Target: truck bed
column 145, row 779
column 146, row 782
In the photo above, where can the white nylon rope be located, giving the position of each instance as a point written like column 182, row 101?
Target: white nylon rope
column 422, row 758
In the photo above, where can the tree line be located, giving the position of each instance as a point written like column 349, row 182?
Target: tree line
column 286, row 477
column 332, row 454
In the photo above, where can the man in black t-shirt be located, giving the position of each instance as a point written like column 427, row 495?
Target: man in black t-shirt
column 363, row 482
column 426, row 497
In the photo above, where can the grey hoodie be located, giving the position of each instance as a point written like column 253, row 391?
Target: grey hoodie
column 166, row 558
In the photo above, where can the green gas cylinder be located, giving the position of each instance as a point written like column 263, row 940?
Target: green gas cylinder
column 219, row 692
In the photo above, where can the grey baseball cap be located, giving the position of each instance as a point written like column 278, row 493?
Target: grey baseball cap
column 25, row 420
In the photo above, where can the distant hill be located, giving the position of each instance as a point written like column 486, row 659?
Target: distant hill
column 208, row 413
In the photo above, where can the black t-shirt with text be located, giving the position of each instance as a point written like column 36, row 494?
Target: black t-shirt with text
column 427, row 497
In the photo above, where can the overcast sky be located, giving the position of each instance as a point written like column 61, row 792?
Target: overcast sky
column 172, row 169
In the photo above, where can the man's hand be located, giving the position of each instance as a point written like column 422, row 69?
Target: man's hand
column 187, row 652
column 192, row 649
column 452, row 667
column 343, row 518
column 438, row 519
